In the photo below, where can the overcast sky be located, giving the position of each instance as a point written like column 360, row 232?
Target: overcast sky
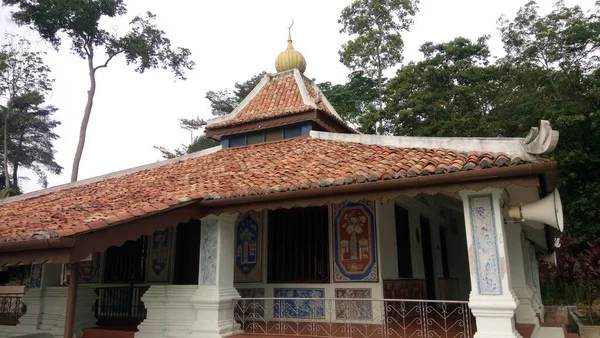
column 230, row 41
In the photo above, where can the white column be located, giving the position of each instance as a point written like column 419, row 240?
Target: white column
column 215, row 296
column 519, row 263
column 492, row 301
column 537, row 291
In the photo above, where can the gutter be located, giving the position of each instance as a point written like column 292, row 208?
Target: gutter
column 521, row 170
column 38, row 244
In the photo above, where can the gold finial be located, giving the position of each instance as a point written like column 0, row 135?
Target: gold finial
column 290, row 35
column 290, row 58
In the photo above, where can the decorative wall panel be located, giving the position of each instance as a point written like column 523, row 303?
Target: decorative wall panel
column 299, row 308
column 251, row 308
column 35, row 278
column 208, row 252
column 89, row 271
column 248, row 248
column 353, row 309
column 160, row 252
column 483, row 228
column 354, row 242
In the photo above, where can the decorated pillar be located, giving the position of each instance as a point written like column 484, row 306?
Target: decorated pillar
column 215, row 296
column 537, row 291
column 492, row 301
column 519, row 264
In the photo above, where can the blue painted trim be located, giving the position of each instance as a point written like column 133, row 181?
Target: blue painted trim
column 373, row 239
column 490, row 198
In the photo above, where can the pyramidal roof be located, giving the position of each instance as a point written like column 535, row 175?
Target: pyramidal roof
column 279, row 99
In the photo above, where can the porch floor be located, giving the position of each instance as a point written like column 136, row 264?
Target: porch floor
column 107, row 332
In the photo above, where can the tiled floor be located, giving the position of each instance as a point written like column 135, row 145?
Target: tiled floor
column 98, row 332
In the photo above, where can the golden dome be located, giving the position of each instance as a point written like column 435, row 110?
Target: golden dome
column 290, row 58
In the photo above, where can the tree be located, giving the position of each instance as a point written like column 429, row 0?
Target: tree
column 555, row 73
column 24, row 79
column 377, row 27
column 31, row 138
column 453, row 91
column 196, row 143
column 144, row 45
column 223, row 102
column 354, row 100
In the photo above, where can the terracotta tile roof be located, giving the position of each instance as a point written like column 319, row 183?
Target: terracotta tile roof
column 281, row 95
column 294, row 164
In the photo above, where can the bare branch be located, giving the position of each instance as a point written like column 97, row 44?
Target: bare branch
column 108, row 60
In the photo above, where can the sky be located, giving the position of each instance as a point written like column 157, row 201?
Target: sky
column 230, row 40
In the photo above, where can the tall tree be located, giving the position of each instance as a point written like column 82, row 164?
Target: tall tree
column 555, row 73
column 223, row 102
column 453, row 91
column 144, row 45
column 24, row 79
column 31, row 137
column 354, row 100
column 376, row 26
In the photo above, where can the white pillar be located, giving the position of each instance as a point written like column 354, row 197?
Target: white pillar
column 519, row 263
column 537, row 291
column 215, row 296
column 492, row 301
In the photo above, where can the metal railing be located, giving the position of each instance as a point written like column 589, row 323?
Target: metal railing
column 11, row 308
column 120, row 306
column 354, row 317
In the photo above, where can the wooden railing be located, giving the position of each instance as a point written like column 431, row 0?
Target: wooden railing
column 120, row 306
column 11, row 308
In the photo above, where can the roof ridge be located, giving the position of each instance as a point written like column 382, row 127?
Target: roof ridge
column 306, row 99
column 111, row 175
column 513, row 147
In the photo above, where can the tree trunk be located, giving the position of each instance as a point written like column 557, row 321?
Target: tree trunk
column 5, row 160
column 86, row 117
column 15, row 174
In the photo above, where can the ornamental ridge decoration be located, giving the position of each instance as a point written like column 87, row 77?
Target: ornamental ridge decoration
column 208, row 253
column 483, row 228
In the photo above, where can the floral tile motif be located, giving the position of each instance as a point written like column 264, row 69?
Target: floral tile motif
column 355, row 242
column 298, row 308
column 353, row 309
column 248, row 309
column 159, row 256
column 35, row 279
column 208, row 252
column 483, row 228
column 89, row 271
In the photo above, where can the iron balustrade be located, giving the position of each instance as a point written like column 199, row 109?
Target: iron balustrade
column 11, row 308
column 120, row 306
column 353, row 317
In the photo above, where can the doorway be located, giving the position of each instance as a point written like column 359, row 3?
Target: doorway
column 428, row 257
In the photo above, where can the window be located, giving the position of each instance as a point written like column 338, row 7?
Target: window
column 290, row 132
column 126, row 263
column 237, row 141
column 256, row 138
column 298, row 245
column 274, row 135
column 403, row 242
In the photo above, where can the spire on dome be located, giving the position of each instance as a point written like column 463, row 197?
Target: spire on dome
column 290, row 58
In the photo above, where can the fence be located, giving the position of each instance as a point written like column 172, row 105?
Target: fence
column 354, row 317
column 11, row 308
column 120, row 306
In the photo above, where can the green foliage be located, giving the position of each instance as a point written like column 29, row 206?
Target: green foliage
column 354, row 100
column 223, row 102
column 27, row 126
column 144, row 45
column 376, row 26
